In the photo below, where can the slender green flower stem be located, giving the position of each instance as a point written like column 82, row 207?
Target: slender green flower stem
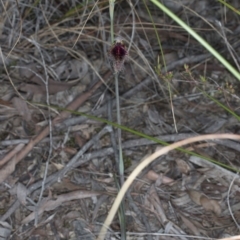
column 121, row 214
column 121, row 165
column 140, row 134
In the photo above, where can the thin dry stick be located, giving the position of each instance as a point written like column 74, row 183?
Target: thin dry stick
column 146, row 162
column 20, row 29
column 231, row 238
column 58, row 175
column 127, row 95
column 75, row 104
column 228, row 202
column 46, row 82
column 11, row 154
column 83, row 27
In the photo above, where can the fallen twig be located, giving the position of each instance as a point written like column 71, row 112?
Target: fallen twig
column 75, row 104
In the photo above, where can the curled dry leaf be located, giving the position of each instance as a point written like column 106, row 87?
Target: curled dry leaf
column 151, row 175
column 195, row 196
column 160, row 178
column 65, row 184
column 183, row 166
column 58, row 166
column 208, row 204
column 70, row 150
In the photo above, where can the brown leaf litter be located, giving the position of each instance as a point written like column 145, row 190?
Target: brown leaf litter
column 56, row 54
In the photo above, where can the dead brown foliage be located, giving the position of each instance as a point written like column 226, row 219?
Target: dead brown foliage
column 58, row 170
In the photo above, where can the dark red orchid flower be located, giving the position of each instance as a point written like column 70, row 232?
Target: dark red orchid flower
column 118, row 54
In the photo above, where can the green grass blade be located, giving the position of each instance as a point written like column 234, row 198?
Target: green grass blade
column 140, row 134
column 222, row 105
column 198, row 38
column 229, row 6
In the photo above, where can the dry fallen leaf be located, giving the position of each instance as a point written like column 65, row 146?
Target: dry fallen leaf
column 190, row 224
column 22, row 108
column 65, row 184
column 195, row 196
column 160, row 178
column 151, row 175
column 58, row 166
column 71, row 69
column 22, row 193
column 208, row 204
column 40, row 88
column 49, row 205
column 183, row 166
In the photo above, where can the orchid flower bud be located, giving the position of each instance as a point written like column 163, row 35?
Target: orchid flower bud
column 118, row 54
